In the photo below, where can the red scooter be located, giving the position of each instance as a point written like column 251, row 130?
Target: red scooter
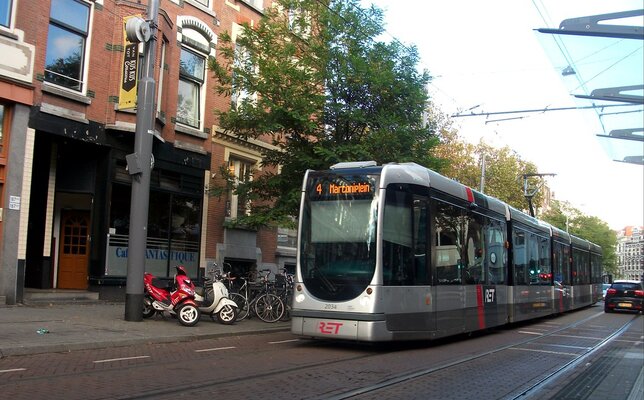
column 177, row 299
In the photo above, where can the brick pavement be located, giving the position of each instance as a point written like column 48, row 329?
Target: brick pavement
column 98, row 325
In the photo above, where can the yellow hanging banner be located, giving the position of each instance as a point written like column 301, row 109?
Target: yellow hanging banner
column 129, row 71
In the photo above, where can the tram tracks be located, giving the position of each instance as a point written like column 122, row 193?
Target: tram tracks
column 571, row 350
column 563, row 370
column 525, row 392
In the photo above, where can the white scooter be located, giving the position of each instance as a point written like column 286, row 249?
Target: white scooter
column 213, row 298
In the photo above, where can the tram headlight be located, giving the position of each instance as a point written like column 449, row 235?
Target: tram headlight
column 299, row 298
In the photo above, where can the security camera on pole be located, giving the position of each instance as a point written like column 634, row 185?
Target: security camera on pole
column 139, row 162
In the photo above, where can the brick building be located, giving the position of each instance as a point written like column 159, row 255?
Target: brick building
column 64, row 182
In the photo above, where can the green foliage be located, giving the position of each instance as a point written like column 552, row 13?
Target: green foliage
column 565, row 217
column 317, row 84
column 504, row 169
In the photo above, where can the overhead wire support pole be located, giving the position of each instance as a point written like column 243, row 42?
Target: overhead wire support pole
column 140, row 164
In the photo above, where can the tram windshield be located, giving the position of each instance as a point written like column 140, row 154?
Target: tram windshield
column 338, row 234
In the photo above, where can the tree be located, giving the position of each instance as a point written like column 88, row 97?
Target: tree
column 312, row 78
column 504, row 168
column 568, row 218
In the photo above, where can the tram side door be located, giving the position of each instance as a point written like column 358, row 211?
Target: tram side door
column 422, row 268
column 448, row 292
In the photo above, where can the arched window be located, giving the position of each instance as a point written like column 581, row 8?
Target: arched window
column 197, row 44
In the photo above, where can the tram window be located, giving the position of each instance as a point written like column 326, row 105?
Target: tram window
column 520, row 259
column 421, row 272
column 449, row 225
column 474, row 250
column 560, row 260
column 584, row 268
column 578, row 269
column 544, row 269
column 397, row 239
column 566, row 266
column 495, row 257
column 596, row 268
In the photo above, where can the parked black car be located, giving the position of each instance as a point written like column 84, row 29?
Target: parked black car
column 624, row 295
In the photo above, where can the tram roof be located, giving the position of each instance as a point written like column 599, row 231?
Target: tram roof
column 415, row 173
column 520, row 216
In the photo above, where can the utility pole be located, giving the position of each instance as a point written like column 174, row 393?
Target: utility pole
column 482, row 172
column 140, row 162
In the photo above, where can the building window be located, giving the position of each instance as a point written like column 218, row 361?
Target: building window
column 241, row 171
column 256, row 4
column 161, row 106
column 5, row 13
column 174, row 230
column 191, row 79
column 244, row 64
column 66, row 41
column 1, row 127
column 198, row 44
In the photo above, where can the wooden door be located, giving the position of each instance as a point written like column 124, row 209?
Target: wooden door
column 74, row 250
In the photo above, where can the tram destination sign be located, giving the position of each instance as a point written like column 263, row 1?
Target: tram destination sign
column 334, row 187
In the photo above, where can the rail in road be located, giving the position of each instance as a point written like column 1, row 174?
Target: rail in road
column 551, row 364
column 553, row 357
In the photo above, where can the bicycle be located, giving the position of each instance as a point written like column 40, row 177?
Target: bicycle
column 260, row 300
column 284, row 290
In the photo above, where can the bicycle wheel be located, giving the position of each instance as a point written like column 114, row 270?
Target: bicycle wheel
column 286, row 315
column 269, row 308
column 242, row 305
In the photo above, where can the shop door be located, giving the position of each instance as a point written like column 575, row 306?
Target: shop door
column 74, row 249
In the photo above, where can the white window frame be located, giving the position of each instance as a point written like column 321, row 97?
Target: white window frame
column 256, row 4
column 160, row 103
column 12, row 16
column 235, row 165
column 194, row 36
column 86, row 49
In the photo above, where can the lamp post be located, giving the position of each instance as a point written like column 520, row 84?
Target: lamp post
column 139, row 163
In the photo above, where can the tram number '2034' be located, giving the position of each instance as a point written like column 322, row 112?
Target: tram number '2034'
column 329, row 328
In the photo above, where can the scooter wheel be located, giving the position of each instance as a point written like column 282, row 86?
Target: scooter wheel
column 188, row 314
column 148, row 310
column 227, row 315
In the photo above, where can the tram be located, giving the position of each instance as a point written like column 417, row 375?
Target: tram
column 399, row 252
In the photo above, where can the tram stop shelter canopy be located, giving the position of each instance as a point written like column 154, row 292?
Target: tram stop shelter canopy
column 601, row 62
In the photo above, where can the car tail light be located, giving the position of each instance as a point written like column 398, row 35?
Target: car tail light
column 611, row 291
column 639, row 293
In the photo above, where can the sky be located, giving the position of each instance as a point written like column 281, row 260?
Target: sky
column 487, row 55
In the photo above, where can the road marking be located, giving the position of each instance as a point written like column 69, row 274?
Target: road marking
column 531, row 333
column 12, row 370
column 119, row 359
column 579, row 337
column 215, row 349
column 544, row 351
column 565, row 345
column 284, row 341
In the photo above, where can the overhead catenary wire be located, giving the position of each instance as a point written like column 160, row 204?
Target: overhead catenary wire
column 541, row 110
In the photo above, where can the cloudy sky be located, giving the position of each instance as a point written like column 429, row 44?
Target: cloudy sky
column 487, row 55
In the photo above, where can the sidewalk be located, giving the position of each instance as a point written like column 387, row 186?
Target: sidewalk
column 81, row 326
